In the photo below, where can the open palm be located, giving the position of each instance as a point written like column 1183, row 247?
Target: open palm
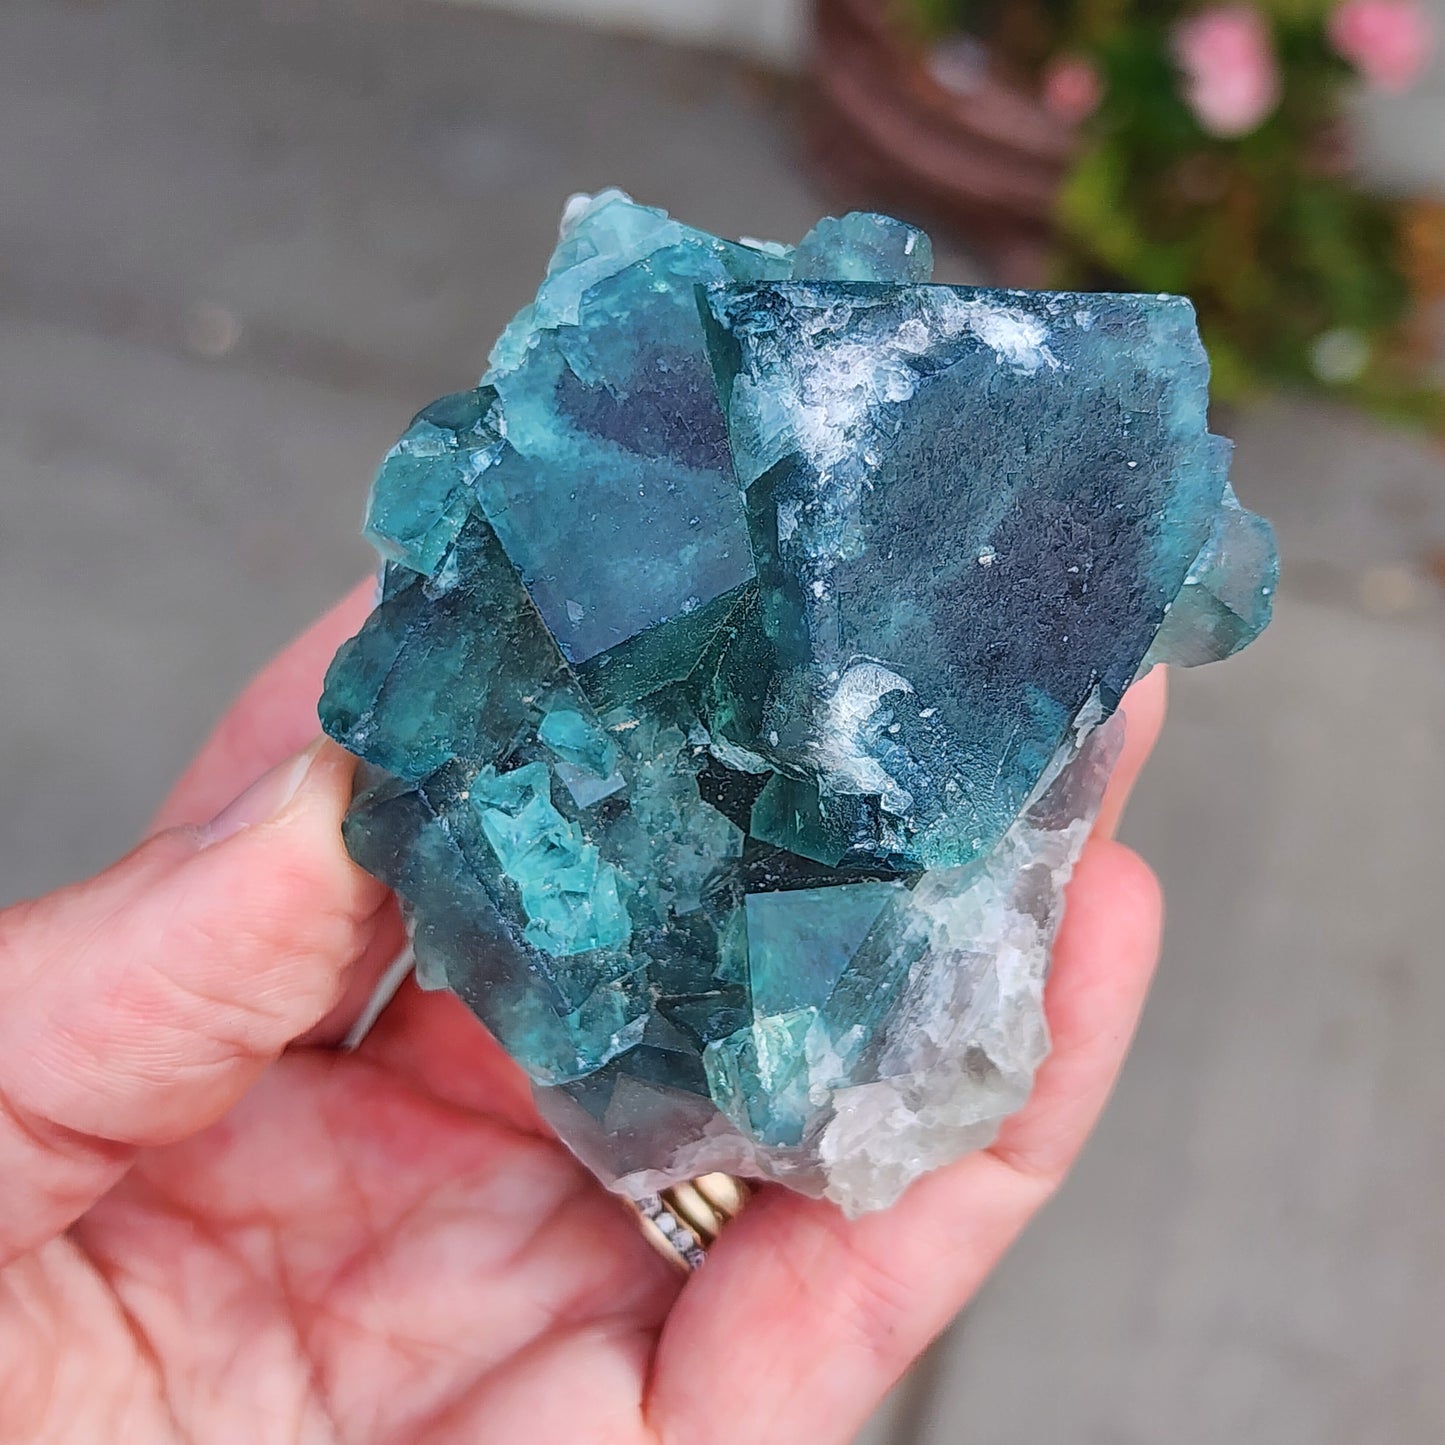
column 219, row 1228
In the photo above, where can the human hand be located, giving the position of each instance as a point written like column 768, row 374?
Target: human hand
column 216, row 1228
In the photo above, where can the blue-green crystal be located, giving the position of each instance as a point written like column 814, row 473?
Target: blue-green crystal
column 1227, row 597
column 759, row 1076
column 739, row 693
column 423, row 492
column 846, row 404
column 569, row 897
column 562, row 1018
column 863, row 247
column 580, row 741
column 801, row 940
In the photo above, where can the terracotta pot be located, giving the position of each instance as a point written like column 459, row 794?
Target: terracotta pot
column 975, row 154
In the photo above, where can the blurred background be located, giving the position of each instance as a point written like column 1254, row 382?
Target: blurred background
column 241, row 242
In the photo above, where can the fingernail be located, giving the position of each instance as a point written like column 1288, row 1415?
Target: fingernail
column 263, row 799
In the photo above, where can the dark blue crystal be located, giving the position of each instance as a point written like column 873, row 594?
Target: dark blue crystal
column 732, row 708
column 1000, row 493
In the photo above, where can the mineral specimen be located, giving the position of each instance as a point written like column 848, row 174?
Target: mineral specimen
column 740, row 690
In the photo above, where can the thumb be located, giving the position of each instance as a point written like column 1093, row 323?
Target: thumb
column 137, row 1007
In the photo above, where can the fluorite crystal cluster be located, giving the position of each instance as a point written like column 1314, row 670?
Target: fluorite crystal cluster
column 739, row 693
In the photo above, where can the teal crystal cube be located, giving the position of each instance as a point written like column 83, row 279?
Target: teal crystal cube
column 741, row 685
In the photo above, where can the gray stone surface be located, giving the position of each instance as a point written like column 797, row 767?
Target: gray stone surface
column 239, row 245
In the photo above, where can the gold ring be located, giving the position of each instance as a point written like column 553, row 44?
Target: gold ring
column 684, row 1219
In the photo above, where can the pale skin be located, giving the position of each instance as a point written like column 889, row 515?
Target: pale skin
column 216, row 1228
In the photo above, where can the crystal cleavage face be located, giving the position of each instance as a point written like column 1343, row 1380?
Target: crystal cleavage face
column 740, row 691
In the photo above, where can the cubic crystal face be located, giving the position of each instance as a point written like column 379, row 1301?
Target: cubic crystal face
column 740, row 690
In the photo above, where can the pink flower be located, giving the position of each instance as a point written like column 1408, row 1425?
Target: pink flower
column 1231, row 78
column 1072, row 88
column 1387, row 41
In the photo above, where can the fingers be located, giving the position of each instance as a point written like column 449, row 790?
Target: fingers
column 272, row 718
column 384, row 949
column 801, row 1319
column 1143, row 708
column 135, row 1008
